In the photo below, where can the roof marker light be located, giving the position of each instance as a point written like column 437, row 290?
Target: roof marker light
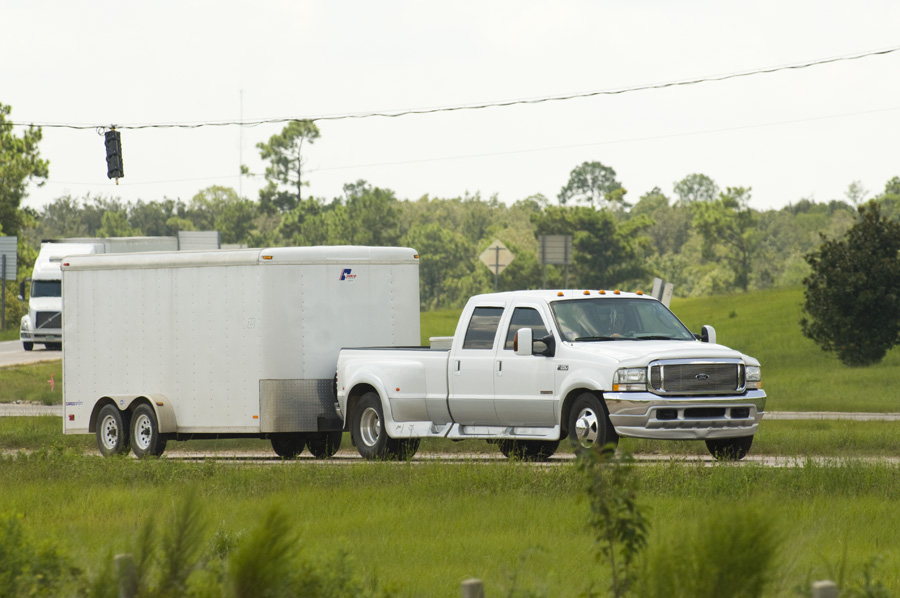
column 602, row 292
column 559, row 294
column 640, row 292
column 617, row 292
column 587, row 292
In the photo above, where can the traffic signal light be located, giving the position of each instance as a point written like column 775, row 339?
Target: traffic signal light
column 114, row 168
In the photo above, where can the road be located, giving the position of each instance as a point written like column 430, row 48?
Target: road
column 12, row 353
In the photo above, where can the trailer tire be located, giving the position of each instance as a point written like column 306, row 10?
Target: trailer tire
column 729, row 449
column 146, row 441
column 589, row 424
column 28, row 346
column 528, row 450
column 324, row 445
column 112, row 431
column 288, row 446
column 368, row 432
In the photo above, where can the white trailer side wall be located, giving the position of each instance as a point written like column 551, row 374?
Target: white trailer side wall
column 239, row 341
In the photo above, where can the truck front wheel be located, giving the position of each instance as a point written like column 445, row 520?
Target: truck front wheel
column 112, row 432
column 729, row 449
column 369, row 435
column 27, row 346
column 146, row 440
column 589, row 423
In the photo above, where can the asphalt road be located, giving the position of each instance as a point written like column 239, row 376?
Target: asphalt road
column 12, row 353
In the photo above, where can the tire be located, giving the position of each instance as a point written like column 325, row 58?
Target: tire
column 729, row 449
column 112, row 431
column 53, row 346
column 528, row 450
column 28, row 346
column 589, row 424
column 369, row 435
column 288, row 446
column 324, row 445
column 146, row 441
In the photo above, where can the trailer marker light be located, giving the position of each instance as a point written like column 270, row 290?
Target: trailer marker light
column 71, row 417
column 267, row 257
column 159, row 403
column 397, row 389
column 255, row 417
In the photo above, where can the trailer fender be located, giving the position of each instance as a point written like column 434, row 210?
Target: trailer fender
column 165, row 413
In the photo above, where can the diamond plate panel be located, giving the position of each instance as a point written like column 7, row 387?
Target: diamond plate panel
column 304, row 405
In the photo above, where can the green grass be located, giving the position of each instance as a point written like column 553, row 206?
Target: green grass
column 422, row 528
column 31, row 383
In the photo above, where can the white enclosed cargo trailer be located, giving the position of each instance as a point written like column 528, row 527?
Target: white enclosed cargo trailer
column 224, row 344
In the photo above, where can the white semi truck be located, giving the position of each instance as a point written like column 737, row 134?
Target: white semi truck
column 43, row 322
column 224, row 344
column 528, row 369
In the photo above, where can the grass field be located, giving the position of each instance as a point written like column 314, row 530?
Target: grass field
column 420, row 528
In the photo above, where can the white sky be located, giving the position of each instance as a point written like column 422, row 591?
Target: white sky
column 788, row 135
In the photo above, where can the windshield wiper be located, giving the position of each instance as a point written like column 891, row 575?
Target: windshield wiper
column 598, row 338
column 658, row 337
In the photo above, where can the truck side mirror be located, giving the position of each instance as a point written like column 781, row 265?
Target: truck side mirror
column 708, row 334
column 523, row 342
column 550, row 342
column 22, row 289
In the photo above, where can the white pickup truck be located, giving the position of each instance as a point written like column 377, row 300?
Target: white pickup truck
column 527, row 369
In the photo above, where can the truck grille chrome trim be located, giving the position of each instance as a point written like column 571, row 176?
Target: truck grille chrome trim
column 696, row 377
column 48, row 319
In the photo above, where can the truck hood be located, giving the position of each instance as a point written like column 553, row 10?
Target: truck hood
column 631, row 353
column 45, row 304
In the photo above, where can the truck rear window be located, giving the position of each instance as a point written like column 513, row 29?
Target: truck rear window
column 483, row 328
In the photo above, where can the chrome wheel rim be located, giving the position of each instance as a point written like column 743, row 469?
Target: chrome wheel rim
column 370, row 427
column 587, row 428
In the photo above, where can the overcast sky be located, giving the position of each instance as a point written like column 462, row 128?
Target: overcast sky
column 793, row 134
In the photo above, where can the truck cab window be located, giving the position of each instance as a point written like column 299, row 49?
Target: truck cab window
column 526, row 317
column 483, row 328
column 46, row 288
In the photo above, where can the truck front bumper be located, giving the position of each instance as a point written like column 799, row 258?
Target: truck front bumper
column 647, row 415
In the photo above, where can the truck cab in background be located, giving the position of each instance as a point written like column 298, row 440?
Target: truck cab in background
column 43, row 322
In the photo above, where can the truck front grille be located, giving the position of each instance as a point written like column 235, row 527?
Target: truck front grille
column 48, row 319
column 697, row 378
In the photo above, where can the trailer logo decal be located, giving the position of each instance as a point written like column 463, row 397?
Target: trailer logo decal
column 346, row 274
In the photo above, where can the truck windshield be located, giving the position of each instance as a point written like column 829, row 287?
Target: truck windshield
column 605, row 319
column 46, row 288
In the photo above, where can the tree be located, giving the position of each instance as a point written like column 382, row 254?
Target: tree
column 594, row 184
column 728, row 228
column 284, row 152
column 696, row 188
column 20, row 162
column 852, row 297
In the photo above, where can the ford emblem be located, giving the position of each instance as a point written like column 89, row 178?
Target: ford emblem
column 702, row 376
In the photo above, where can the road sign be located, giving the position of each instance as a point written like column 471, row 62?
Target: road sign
column 556, row 249
column 9, row 247
column 497, row 257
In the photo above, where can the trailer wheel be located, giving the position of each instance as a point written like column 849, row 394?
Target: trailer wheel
column 324, row 445
column 729, row 449
column 288, row 446
column 528, row 450
column 112, row 433
column 589, row 423
column 146, row 440
column 28, row 346
column 369, row 435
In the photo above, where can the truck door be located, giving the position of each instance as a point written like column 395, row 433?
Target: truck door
column 523, row 384
column 471, row 378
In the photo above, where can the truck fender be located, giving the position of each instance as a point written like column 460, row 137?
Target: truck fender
column 368, row 377
column 165, row 412
column 570, row 389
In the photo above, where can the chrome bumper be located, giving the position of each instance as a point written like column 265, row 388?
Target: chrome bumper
column 646, row 415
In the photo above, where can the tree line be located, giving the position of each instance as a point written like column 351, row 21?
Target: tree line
column 703, row 238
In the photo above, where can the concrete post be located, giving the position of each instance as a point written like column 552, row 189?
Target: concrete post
column 824, row 589
column 472, row 588
column 127, row 576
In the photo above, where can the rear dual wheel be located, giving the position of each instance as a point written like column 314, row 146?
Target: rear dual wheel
column 528, row 450
column 371, row 438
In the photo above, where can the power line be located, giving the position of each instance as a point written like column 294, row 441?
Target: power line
column 479, row 106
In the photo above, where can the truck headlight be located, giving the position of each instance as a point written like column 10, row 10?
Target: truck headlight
column 754, row 377
column 630, row 380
